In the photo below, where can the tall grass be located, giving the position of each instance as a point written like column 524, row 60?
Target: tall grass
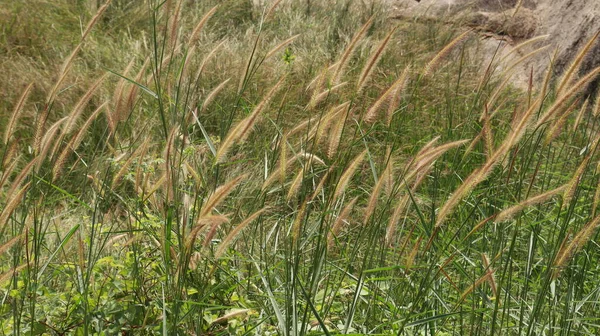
column 147, row 194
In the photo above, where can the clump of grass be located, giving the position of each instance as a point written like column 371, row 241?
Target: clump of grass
column 333, row 190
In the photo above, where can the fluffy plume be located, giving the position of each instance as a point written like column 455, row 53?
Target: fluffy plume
column 372, row 62
column 574, row 67
column 14, row 118
column 347, row 175
column 435, row 62
column 196, row 32
column 567, row 251
column 240, row 131
column 219, row 195
column 343, row 62
column 339, row 221
column 541, row 198
column 236, row 231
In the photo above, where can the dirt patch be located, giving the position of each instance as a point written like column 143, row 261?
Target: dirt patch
column 569, row 25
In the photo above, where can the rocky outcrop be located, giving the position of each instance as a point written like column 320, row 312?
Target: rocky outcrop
column 569, row 24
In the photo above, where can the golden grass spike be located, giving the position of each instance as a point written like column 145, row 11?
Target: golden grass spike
column 271, row 10
column 400, row 207
column 319, row 81
column 219, row 195
column 374, row 197
column 428, row 146
column 10, row 243
column 435, row 62
column 16, row 183
column 206, row 59
column 111, row 122
column 302, row 125
column 48, row 141
column 239, row 132
column 236, row 231
column 548, row 76
column 389, row 176
column 488, row 136
column 138, row 170
column 522, row 59
column 231, row 314
column 170, row 162
column 469, row 183
column 490, row 272
column 297, row 224
column 196, row 31
column 335, row 136
column 523, row 45
column 395, row 95
column 94, row 19
column 410, row 258
column 339, row 222
column 189, row 57
column 12, row 272
column 282, row 159
column 517, row 7
column 567, row 251
column 471, row 288
column 59, row 164
column 118, row 101
column 575, row 89
column 175, row 24
column 594, row 204
column 280, row 46
column 371, row 113
column 9, row 153
column 132, row 94
column 348, row 173
column 67, row 66
column 213, row 94
column 14, row 118
column 7, row 171
column 74, row 143
column 116, row 181
column 494, row 96
column 420, row 173
column 324, row 124
column 509, row 213
column 559, row 124
column 372, row 62
column 83, row 129
column 62, row 75
column 574, row 67
column 343, row 62
column 161, row 180
column 427, row 157
column 11, row 204
column 277, row 171
column 79, row 107
column 295, row 186
column 479, row 226
column 571, row 187
column 201, row 224
column 316, row 99
column 596, row 111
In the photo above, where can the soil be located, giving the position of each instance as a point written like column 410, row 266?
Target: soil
column 569, row 25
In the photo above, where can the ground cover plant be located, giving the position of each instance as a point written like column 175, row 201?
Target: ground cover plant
column 291, row 168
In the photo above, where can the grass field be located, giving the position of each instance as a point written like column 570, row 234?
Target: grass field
column 287, row 168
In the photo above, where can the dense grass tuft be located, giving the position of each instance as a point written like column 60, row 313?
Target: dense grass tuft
column 287, row 167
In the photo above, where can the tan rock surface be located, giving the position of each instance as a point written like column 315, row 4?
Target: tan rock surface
column 569, row 23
